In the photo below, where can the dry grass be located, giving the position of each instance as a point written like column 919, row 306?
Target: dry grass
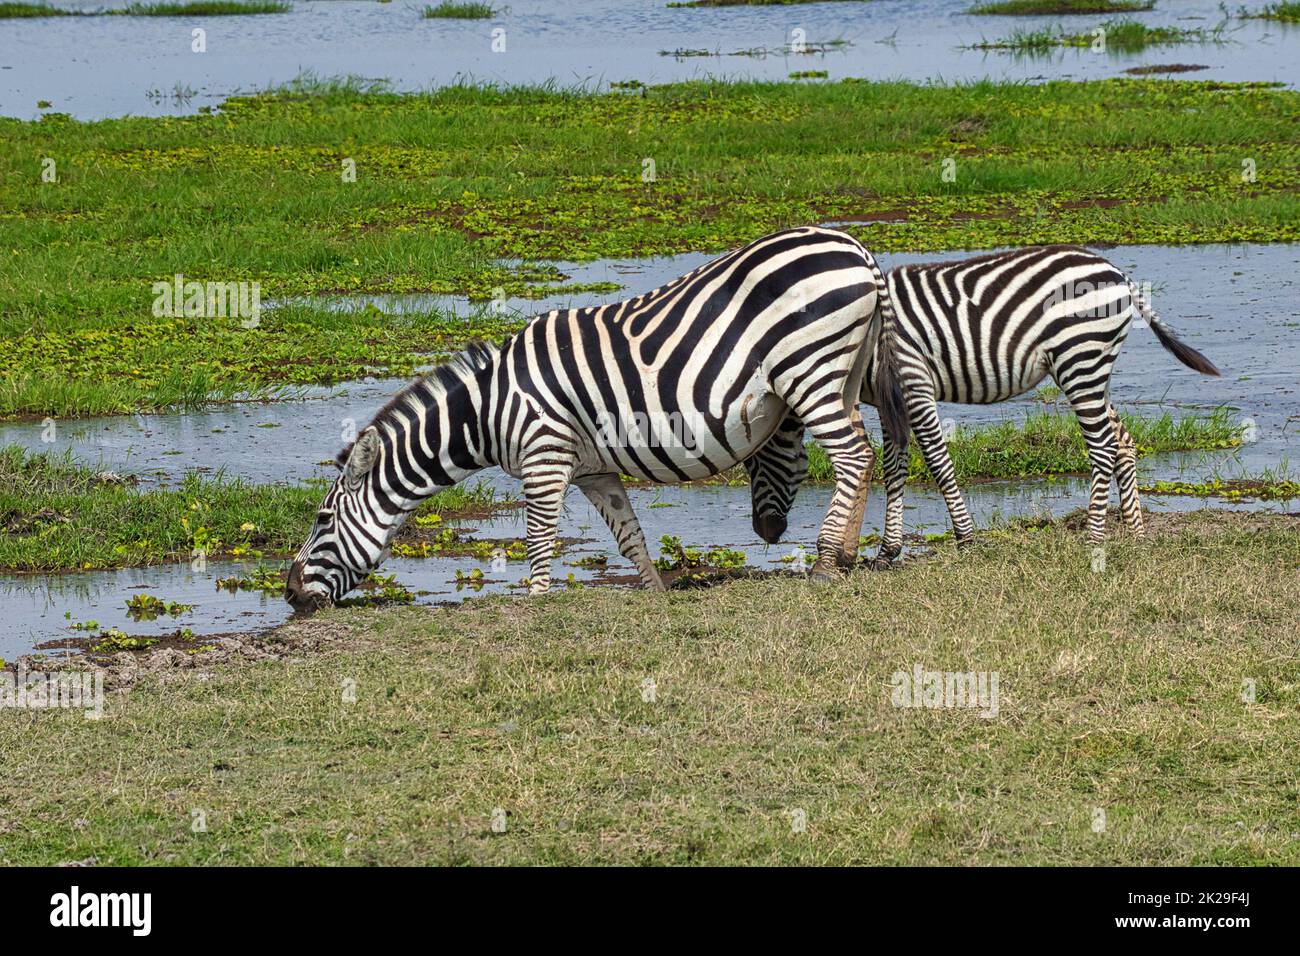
column 1119, row 690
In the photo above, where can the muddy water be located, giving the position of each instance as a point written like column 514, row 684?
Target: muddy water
column 96, row 67
column 1235, row 303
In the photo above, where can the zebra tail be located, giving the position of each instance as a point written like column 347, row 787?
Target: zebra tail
column 1181, row 351
column 891, row 404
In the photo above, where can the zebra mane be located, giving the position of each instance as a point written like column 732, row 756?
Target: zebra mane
column 433, row 384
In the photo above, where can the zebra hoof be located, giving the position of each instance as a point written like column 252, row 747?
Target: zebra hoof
column 964, row 544
column 823, row 573
column 882, row 562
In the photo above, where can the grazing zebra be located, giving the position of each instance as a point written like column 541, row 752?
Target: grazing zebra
column 677, row 384
column 982, row 330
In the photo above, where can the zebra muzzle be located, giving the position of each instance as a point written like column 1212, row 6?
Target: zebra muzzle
column 769, row 526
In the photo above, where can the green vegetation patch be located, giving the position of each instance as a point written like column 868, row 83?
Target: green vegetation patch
column 203, row 8
column 1017, row 8
column 1050, row 443
column 470, row 190
column 458, row 11
column 1230, row 489
column 15, row 11
column 754, row 722
column 1286, row 12
column 1118, row 36
column 56, row 515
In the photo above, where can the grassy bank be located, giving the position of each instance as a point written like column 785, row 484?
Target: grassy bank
column 454, row 189
column 1147, row 714
column 56, row 515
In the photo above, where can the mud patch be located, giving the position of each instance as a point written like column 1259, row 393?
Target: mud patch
column 1158, row 68
column 175, row 655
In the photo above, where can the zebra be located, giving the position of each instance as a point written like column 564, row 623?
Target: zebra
column 983, row 330
column 728, row 351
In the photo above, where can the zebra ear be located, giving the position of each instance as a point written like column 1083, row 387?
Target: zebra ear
column 363, row 456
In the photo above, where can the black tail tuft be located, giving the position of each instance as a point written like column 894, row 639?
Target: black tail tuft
column 894, row 418
column 1184, row 353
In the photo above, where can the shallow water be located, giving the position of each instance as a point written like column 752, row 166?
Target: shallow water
column 1235, row 303
column 96, row 67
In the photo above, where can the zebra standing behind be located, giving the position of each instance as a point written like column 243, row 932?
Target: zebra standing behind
column 983, row 330
column 729, row 351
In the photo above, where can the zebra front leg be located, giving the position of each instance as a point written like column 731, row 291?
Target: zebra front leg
column 545, row 482
column 1130, row 505
column 609, row 496
column 891, row 545
column 929, row 435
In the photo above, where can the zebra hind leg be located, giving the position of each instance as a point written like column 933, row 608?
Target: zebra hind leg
column 1093, row 412
column 891, row 546
column 545, row 482
column 1130, row 505
column 929, row 435
column 607, row 494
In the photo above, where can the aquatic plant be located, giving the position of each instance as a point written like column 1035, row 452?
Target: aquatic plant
column 1059, row 7
column 450, row 10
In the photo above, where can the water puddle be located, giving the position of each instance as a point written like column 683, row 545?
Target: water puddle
column 97, row 67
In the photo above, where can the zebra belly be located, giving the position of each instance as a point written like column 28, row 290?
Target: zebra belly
column 990, row 389
column 665, row 447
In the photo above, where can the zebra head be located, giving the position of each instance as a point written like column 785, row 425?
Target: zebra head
column 776, row 471
column 350, row 536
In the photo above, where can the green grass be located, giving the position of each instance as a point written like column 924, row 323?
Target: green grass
column 14, row 11
column 1018, row 8
column 465, row 190
column 1287, row 12
column 1124, row 691
column 1049, row 442
column 458, row 11
column 56, row 515
column 1121, row 36
column 197, row 8
column 203, row 8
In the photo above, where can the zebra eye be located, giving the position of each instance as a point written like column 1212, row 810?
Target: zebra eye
column 325, row 518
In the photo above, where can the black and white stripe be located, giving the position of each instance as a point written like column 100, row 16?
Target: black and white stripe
column 982, row 330
column 680, row 383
